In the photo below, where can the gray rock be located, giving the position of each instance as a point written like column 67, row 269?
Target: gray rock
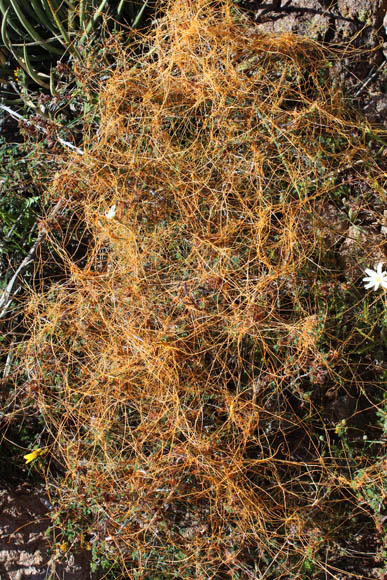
column 306, row 17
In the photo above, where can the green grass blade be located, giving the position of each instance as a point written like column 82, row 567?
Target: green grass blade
column 65, row 40
column 54, row 6
column 53, row 90
column 43, row 18
column 81, row 14
column 120, row 5
column 7, row 43
column 97, row 14
column 28, row 12
column 32, row 73
column 137, row 20
column 4, row 33
column 30, row 29
column 4, row 9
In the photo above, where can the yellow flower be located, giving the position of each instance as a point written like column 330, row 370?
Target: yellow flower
column 341, row 427
column 34, row 454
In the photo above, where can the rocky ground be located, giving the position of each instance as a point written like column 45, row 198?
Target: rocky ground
column 25, row 549
column 358, row 26
column 361, row 24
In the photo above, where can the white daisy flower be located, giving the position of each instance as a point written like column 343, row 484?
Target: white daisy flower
column 110, row 214
column 375, row 279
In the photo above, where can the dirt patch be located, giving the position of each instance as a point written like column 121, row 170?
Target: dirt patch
column 25, row 548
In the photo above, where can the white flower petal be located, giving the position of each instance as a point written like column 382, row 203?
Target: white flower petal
column 369, row 285
column 376, row 278
column 110, row 214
